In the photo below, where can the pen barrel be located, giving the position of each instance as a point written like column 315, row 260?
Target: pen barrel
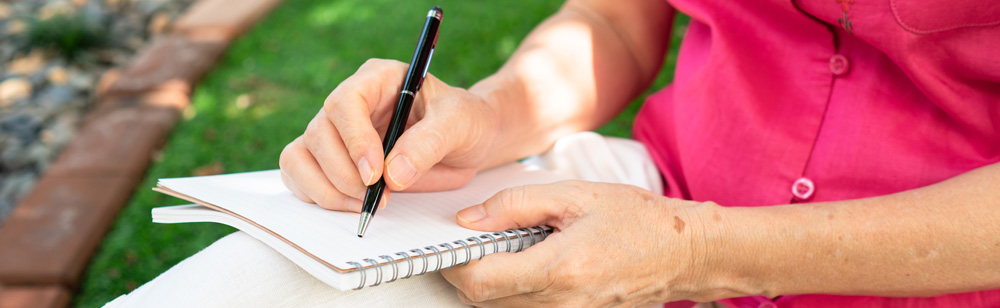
column 414, row 79
column 372, row 196
column 398, row 122
column 425, row 50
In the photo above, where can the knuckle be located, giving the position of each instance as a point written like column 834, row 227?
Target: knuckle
column 330, row 199
column 571, row 275
column 511, row 198
column 370, row 63
column 309, row 137
column 284, row 159
column 349, row 184
column 429, row 140
column 354, row 141
column 464, row 298
column 381, row 64
column 636, row 190
column 476, row 288
column 576, row 184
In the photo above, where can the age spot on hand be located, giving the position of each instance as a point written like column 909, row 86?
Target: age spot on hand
column 678, row 224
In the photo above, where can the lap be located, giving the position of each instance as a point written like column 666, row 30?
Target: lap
column 241, row 271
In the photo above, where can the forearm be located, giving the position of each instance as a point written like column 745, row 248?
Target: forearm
column 574, row 72
column 943, row 238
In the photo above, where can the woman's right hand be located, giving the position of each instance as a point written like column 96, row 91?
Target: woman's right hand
column 450, row 133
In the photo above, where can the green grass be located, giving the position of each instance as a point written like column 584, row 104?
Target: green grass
column 272, row 81
column 69, row 35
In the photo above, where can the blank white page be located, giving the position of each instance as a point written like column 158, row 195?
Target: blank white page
column 410, row 220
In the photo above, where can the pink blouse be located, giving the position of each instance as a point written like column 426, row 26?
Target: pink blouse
column 778, row 102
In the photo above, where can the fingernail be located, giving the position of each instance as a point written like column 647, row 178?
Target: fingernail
column 354, row 205
column 400, row 170
column 472, row 214
column 365, row 170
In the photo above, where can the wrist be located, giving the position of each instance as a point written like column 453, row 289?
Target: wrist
column 725, row 254
column 506, row 103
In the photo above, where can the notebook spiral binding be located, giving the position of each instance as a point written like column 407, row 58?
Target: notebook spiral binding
column 448, row 247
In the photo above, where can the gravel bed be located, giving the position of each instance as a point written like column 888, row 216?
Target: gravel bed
column 46, row 90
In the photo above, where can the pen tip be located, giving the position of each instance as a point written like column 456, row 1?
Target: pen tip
column 363, row 226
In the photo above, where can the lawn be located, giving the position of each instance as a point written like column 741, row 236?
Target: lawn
column 272, row 81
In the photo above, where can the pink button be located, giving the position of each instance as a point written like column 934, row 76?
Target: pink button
column 803, row 188
column 839, row 65
column 767, row 305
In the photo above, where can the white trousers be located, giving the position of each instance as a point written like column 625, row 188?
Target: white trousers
column 240, row 271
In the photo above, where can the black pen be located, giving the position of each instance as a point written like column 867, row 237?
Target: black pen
column 414, row 78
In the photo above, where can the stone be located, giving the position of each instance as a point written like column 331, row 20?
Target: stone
column 57, row 75
column 105, row 81
column 221, row 17
column 51, row 234
column 7, row 49
column 81, row 80
column 5, row 207
column 94, row 14
column 5, row 10
column 114, row 3
column 158, row 23
column 17, row 184
column 61, row 130
column 41, row 155
column 26, row 6
column 15, row 27
column 56, row 98
column 168, row 58
column 12, row 154
column 55, row 8
column 35, row 296
column 115, row 140
column 148, row 7
column 114, row 57
column 27, row 65
column 24, row 126
column 14, row 89
column 134, row 43
column 125, row 26
column 39, row 78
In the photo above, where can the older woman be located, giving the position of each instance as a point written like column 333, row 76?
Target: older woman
column 814, row 153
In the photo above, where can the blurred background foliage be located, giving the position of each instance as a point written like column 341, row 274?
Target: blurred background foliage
column 273, row 80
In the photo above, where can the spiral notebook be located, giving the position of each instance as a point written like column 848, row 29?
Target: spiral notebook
column 414, row 235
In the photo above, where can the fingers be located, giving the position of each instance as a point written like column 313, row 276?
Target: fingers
column 442, row 177
column 501, row 275
column 375, row 86
column 307, row 179
column 525, row 206
column 426, row 143
column 416, row 152
column 285, row 179
column 323, row 141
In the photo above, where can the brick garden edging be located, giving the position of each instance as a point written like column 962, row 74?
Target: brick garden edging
column 47, row 241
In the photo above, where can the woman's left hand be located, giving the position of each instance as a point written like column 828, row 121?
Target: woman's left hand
column 614, row 245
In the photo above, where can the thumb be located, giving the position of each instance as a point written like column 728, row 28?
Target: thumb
column 417, row 151
column 445, row 127
column 520, row 207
